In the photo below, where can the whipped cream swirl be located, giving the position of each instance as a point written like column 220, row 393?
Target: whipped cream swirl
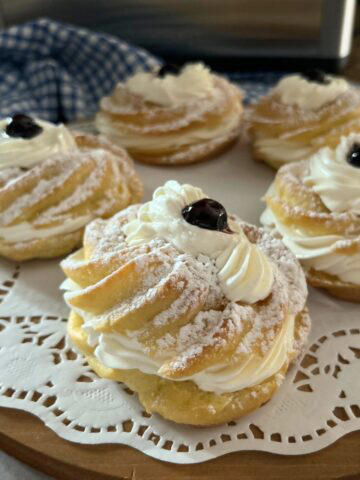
column 309, row 95
column 335, row 180
column 245, row 273
column 25, row 153
column 193, row 83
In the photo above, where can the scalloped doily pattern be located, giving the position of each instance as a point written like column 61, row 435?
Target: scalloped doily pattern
column 9, row 272
column 40, row 372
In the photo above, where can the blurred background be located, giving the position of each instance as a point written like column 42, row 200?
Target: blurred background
column 227, row 34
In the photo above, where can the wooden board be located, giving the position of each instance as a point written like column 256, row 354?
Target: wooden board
column 24, row 436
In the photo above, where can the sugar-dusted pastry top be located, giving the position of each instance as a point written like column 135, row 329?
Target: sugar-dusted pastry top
column 24, row 141
column 314, row 205
column 193, row 86
column 178, row 317
column 302, row 114
column 63, row 191
column 298, row 104
column 151, row 114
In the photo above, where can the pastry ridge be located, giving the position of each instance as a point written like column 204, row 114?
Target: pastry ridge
column 98, row 179
column 304, row 131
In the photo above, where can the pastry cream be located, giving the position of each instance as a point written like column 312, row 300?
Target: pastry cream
column 119, row 351
column 25, row 232
column 309, row 95
column 25, row 153
column 335, row 180
column 137, row 140
column 116, row 351
column 317, row 252
column 193, row 83
column 245, row 272
column 280, row 150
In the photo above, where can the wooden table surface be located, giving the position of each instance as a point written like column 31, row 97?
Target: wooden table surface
column 24, row 437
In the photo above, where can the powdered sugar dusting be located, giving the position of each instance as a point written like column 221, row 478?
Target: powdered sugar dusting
column 292, row 175
column 87, row 182
column 154, row 134
column 199, row 318
column 42, row 188
column 123, row 103
column 107, row 237
column 9, row 174
column 82, row 193
column 272, row 112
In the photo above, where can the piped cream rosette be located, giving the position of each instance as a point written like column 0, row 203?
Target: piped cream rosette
column 53, row 184
column 27, row 152
column 301, row 115
column 201, row 323
column 178, row 118
column 315, row 207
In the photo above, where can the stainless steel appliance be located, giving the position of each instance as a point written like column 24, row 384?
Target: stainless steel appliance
column 233, row 34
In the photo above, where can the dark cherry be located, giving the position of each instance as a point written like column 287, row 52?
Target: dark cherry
column 207, row 213
column 168, row 68
column 23, row 126
column 316, row 75
column 353, row 156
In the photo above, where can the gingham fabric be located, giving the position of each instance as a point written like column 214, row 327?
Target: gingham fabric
column 255, row 84
column 59, row 72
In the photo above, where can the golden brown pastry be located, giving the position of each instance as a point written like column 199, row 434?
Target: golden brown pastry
column 315, row 207
column 198, row 313
column 172, row 119
column 54, row 182
column 302, row 114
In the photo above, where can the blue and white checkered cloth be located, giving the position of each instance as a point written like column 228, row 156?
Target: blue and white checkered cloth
column 59, row 72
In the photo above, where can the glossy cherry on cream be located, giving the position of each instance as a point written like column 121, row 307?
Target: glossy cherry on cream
column 22, row 126
column 353, row 156
column 316, row 75
column 207, row 213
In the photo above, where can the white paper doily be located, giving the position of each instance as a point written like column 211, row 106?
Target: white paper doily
column 39, row 372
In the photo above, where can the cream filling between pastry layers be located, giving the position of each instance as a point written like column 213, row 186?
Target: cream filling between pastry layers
column 317, row 252
column 25, row 232
column 137, row 141
column 22, row 152
column 124, row 352
column 281, row 151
